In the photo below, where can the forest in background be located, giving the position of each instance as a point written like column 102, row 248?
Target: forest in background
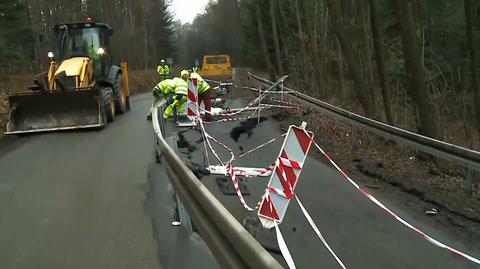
column 410, row 63
column 142, row 30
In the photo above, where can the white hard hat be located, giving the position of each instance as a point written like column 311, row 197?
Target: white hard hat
column 184, row 74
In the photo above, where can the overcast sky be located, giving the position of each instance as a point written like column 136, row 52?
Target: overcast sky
column 185, row 10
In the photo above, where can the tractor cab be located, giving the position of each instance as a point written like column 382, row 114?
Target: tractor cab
column 87, row 39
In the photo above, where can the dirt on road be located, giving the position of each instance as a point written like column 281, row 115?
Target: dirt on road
column 398, row 172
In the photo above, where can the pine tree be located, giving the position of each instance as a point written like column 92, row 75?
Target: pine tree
column 16, row 38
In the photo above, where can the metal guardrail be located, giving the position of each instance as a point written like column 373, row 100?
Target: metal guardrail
column 231, row 245
column 467, row 158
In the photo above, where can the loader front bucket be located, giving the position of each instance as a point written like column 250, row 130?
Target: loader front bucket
column 52, row 111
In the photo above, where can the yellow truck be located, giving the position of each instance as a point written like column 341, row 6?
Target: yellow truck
column 216, row 67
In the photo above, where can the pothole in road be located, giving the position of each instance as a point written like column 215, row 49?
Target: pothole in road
column 245, row 127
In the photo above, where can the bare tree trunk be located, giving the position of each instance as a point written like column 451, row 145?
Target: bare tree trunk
column 363, row 92
column 470, row 18
column 340, row 68
column 301, row 35
column 415, row 68
column 278, row 53
column 380, row 56
column 284, row 30
column 263, row 42
column 145, row 40
column 316, row 55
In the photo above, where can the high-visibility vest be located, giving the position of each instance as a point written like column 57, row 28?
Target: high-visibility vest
column 202, row 85
column 163, row 70
column 180, row 86
column 165, row 86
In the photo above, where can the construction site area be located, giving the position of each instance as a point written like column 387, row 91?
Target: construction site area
column 239, row 134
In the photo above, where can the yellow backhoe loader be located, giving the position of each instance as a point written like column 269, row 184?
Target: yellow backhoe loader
column 82, row 88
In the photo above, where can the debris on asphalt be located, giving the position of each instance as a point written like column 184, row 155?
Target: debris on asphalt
column 226, row 186
column 431, row 212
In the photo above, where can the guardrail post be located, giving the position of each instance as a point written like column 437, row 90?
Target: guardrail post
column 470, row 178
column 353, row 137
column 185, row 220
column 183, row 216
column 259, row 104
column 281, row 89
column 162, row 120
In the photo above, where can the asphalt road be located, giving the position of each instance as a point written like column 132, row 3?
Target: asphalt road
column 95, row 199
column 362, row 235
column 87, row 199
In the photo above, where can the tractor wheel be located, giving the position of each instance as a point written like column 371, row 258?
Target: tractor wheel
column 158, row 159
column 128, row 103
column 109, row 104
column 120, row 96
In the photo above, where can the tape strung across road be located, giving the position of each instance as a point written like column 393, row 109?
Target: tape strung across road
column 232, row 172
column 391, row 213
column 261, row 145
column 317, row 231
column 286, row 254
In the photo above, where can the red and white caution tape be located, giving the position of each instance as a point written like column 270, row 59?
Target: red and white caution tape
column 284, row 249
column 231, row 119
column 234, row 178
column 408, row 225
column 319, row 234
column 229, row 170
column 297, row 105
column 261, row 145
column 237, row 111
column 207, row 140
column 283, row 246
column 229, row 167
column 271, row 92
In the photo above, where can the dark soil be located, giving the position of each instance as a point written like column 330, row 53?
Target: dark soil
column 402, row 175
column 383, row 165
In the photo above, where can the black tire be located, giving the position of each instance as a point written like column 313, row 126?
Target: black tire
column 156, row 154
column 120, row 97
column 109, row 104
column 128, row 103
column 158, row 159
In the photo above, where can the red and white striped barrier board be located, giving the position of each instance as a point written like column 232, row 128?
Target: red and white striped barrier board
column 192, row 107
column 280, row 189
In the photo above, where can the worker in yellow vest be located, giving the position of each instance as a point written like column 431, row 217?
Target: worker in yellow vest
column 163, row 70
column 179, row 88
column 161, row 90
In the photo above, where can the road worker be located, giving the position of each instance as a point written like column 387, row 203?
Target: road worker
column 163, row 70
column 194, row 69
column 204, row 92
column 161, row 90
column 180, row 90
